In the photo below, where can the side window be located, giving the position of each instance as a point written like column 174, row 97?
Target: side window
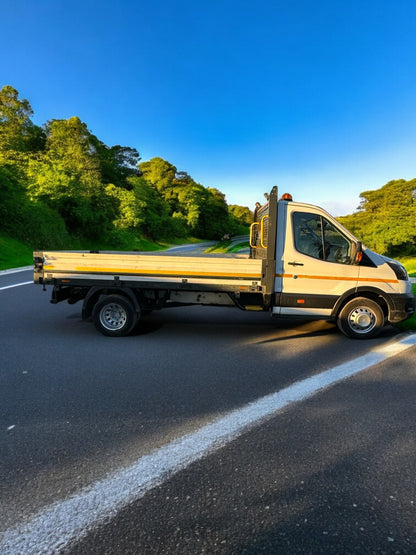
column 308, row 235
column 315, row 236
column 337, row 247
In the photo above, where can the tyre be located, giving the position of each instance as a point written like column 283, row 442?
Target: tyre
column 114, row 315
column 361, row 318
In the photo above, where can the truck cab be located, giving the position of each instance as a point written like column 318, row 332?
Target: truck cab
column 323, row 271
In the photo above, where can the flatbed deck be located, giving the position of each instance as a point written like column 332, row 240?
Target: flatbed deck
column 65, row 267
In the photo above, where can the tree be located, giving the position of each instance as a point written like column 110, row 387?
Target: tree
column 214, row 220
column 67, row 177
column 17, row 131
column 11, row 195
column 30, row 222
column 63, row 172
column 117, row 164
column 243, row 215
column 72, row 147
column 204, row 210
column 130, row 209
column 159, row 173
column 386, row 220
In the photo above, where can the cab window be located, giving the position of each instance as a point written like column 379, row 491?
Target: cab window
column 317, row 237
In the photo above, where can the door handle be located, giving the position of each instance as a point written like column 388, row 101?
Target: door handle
column 295, row 263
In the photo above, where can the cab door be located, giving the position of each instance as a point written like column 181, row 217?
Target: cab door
column 317, row 265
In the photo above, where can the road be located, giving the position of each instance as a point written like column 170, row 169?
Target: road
column 131, row 445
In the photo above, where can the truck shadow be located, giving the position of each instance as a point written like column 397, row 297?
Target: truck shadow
column 321, row 329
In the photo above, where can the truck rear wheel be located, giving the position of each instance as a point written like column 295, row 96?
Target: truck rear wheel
column 361, row 318
column 114, row 315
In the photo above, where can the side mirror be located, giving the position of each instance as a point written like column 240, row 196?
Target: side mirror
column 357, row 253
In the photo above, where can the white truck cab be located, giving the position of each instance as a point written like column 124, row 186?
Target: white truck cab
column 323, row 271
column 302, row 263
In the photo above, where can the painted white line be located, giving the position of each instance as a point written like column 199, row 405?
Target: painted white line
column 15, row 270
column 52, row 529
column 15, row 285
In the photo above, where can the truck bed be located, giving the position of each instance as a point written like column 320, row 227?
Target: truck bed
column 69, row 267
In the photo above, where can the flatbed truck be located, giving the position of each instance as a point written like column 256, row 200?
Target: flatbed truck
column 302, row 263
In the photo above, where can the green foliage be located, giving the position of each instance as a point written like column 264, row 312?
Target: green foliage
column 29, row 221
column 67, row 178
column 13, row 253
column 242, row 214
column 241, row 219
column 122, row 240
column 130, row 208
column 142, row 209
column 17, row 132
column 11, row 192
column 237, row 247
column 201, row 210
column 117, row 164
column 155, row 213
column 159, row 173
column 386, row 220
column 41, row 227
column 214, row 219
column 60, row 186
column 227, row 246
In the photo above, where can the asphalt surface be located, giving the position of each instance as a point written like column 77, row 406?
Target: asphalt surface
column 332, row 474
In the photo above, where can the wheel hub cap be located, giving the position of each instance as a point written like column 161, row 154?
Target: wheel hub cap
column 362, row 320
column 113, row 317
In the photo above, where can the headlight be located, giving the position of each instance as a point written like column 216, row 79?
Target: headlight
column 399, row 270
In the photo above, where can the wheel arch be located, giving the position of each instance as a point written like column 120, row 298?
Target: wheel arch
column 372, row 293
column 95, row 293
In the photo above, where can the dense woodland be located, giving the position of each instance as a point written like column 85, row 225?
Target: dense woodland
column 386, row 219
column 61, row 187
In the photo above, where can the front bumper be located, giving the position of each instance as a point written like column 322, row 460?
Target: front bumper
column 401, row 307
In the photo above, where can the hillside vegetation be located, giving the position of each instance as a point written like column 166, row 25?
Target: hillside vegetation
column 62, row 187
column 386, row 219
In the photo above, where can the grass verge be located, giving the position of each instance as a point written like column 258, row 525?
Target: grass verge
column 220, row 247
column 239, row 246
column 227, row 246
column 14, row 254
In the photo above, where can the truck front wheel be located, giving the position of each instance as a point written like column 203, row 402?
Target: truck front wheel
column 361, row 318
column 114, row 315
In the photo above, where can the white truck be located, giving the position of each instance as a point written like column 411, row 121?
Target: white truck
column 302, row 263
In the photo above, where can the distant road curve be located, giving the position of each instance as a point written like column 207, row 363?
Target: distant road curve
column 15, row 270
column 191, row 247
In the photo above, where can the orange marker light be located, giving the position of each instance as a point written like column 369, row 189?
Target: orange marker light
column 286, row 196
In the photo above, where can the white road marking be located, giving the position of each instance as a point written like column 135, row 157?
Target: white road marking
column 63, row 522
column 16, row 270
column 15, row 285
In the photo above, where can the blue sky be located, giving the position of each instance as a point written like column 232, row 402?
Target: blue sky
column 317, row 97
